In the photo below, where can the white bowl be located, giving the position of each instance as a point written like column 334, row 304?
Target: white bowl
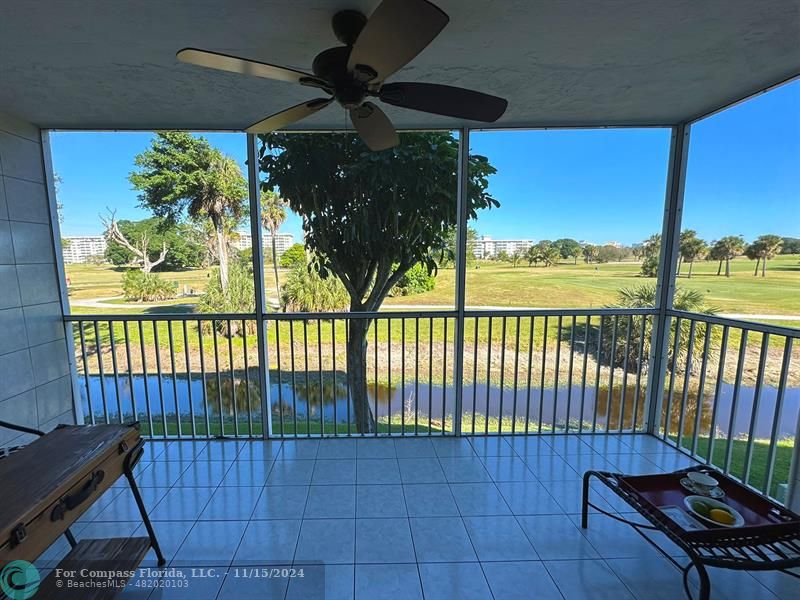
column 702, row 480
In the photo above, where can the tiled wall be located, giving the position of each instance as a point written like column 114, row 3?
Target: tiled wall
column 35, row 387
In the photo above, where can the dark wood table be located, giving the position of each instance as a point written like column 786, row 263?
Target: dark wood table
column 50, row 483
column 769, row 540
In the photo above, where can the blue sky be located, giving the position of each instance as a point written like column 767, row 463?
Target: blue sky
column 595, row 185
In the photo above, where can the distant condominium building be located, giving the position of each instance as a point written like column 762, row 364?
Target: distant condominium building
column 282, row 242
column 486, row 247
column 80, row 249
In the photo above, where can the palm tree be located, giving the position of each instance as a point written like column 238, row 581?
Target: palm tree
column 691, row 249
column 730, row 247
column 273, row 214
column 761, row 250
column 768, row 246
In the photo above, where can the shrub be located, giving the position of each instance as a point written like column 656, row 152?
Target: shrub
column 295, row 256
column 416, row 281
column 650, row 267
column 240, row 298
column 138, row 286
column 644, row 296
column 306, row 291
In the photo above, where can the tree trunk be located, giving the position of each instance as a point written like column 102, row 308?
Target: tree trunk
column 275, row 268
column 719, row 269
column 764, row 267
column 727, row 267
column 755, row 273
column 357, row 374
column 222, row 252
column 691, row 264
column 680, row 262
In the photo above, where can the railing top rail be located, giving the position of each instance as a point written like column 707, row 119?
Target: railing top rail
column 737, row 323
column 555, row 312
column 161, row 317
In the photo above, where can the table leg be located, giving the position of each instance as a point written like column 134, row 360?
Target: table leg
column 702, row 574
column 128, row 469
column 585, row 503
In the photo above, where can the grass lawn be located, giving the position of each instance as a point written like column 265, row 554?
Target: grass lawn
column 563, row 286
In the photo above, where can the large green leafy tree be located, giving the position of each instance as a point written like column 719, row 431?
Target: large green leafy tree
column 369, row 217
column 691, row 248
column 183, row 176
column 184, row 250
column 727, row 248
column 568, row 247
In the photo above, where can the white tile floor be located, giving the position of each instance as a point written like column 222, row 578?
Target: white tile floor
column 426, row 518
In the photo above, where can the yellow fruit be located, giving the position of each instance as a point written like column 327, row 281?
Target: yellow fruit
column 721, row 516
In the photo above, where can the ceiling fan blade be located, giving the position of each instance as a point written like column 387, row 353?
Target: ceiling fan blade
column 374, row 127
column 444, row 100
column 395, row 33
column 289, row 116
column 243, row 66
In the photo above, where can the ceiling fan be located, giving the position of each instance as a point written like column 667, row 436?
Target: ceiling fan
column 374, row 49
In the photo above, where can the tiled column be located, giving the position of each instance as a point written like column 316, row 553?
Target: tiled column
column 35, row 386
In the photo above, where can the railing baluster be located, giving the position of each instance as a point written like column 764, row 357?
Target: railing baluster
column 114, row 366
column 502, row 375
column 555, row 376
column 599, row 359
column 333, row 364
column 612, row 359
column 146, row 381
column 265, row 373
column 247, row 380
column 308, row 384
column 570, row 371
column 203, row 376
column 735, row 400
column 542, row 379
column 174, row 379
column 98, row 351
column 444, row 379
column 623, row 395
column 475, row 376
column 583, row 371
column 516, row 378
column 376, row 323
column 416, row 376
column 86, row 376
column 756, row 404
column 701, row 391
column 130, row 370
column 189, row 377
column 294, row 379
column 430, row 376
column 687, row 376
column 389, row 374
column 347, row 376
column 402, row 376
column 712, row 433
column 321, row 381
column 160, row 375
column 639, row 361
column 531, row 343
column 488, row 376
column 673, row 366
column 219, row 379
column 233, row 381
column 776, row 417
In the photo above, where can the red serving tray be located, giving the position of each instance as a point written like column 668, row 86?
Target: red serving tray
column 762, row 517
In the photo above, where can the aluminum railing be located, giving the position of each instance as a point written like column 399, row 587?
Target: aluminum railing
column 532, row 371
column 731, row 396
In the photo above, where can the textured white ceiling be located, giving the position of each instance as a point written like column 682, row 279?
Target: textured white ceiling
column 111, row 64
